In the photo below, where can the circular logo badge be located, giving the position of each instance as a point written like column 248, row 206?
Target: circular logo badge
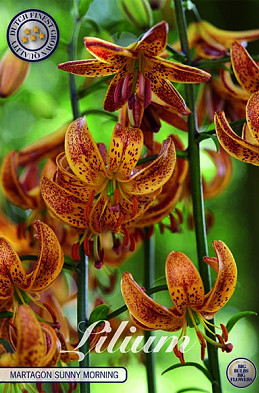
column 241, row 372
column 32, row 35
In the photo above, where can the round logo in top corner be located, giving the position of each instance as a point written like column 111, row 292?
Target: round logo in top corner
column 241, row 372
column 32, row 35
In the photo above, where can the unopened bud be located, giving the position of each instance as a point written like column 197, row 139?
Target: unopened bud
column 13, row 72
column 138, row 12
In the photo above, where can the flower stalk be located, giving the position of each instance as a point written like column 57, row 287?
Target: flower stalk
column 149, row 269
column 196, row 188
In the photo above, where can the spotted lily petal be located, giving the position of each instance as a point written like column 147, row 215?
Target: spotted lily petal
column 176, row 72
column 53, row 345
column 83, row 155
column 154, row 40
column 50, row 258
column 30, row 339
column 245, row 68
column 155, row 175
column 252, row 115
column 11, row 268
column 125, row 150
column 247, row 135
column 233, row 144
column 184, row 282
column 108, row 52
column 225, row 283
column 90, row 67
column 146, row 310
column 65, row 205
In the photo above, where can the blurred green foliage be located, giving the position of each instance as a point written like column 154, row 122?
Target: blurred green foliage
column 43, row 104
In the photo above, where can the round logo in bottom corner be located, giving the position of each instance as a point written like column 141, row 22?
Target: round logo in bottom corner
column 241, row 372
column 32, row 35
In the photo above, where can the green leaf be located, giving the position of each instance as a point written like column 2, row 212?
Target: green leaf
column 205, row 135
column 193, row 364
column 233, row 320
column 99, row 313
column 6, row 314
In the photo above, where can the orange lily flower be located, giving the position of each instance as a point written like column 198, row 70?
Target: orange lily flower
column 100, row 193
column 191, row 305
column 36, row 343
column 246, row 148
column 213, row 43
column 24, row 191
column 13, row 278
column 139, row 70
column 245, row 68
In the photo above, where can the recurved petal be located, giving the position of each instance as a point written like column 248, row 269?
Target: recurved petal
column 167, row 93
column 12, row 187
column 226, row 37
column 233, row 144
column 65, row 205
column 156, row 174
column 90, row 67
column 184, row 282
column 11, row 268
column 176, row 72
column 83, row 154
column 147, row 311
column 30, row 340
column 50, row 258
column 154, row 40
column 125, row 150
column 224, row 169
column 252, row 115
column 245, row 68
column 102, row 218
column 225, row 283
column 111, row 53
column 208, row 48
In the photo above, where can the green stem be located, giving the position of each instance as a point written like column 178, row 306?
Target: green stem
column 196, row 188
column 216, row 62
column 239, row 122
column 72, row 83
column 149, row 269
column 82, row 310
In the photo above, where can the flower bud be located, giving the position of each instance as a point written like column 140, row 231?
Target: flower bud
column 138, row 12
column 13, row 72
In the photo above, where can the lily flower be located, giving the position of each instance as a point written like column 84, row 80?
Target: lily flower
column 99, row 192
column 36, row 343
column 245, row 148
column 139, row 70
column 191, row 305
column 245, row 68
column 14, row 280
column 23, row 190
column 213, row 43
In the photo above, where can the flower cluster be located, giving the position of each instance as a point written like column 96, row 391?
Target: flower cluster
column 86, row 199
